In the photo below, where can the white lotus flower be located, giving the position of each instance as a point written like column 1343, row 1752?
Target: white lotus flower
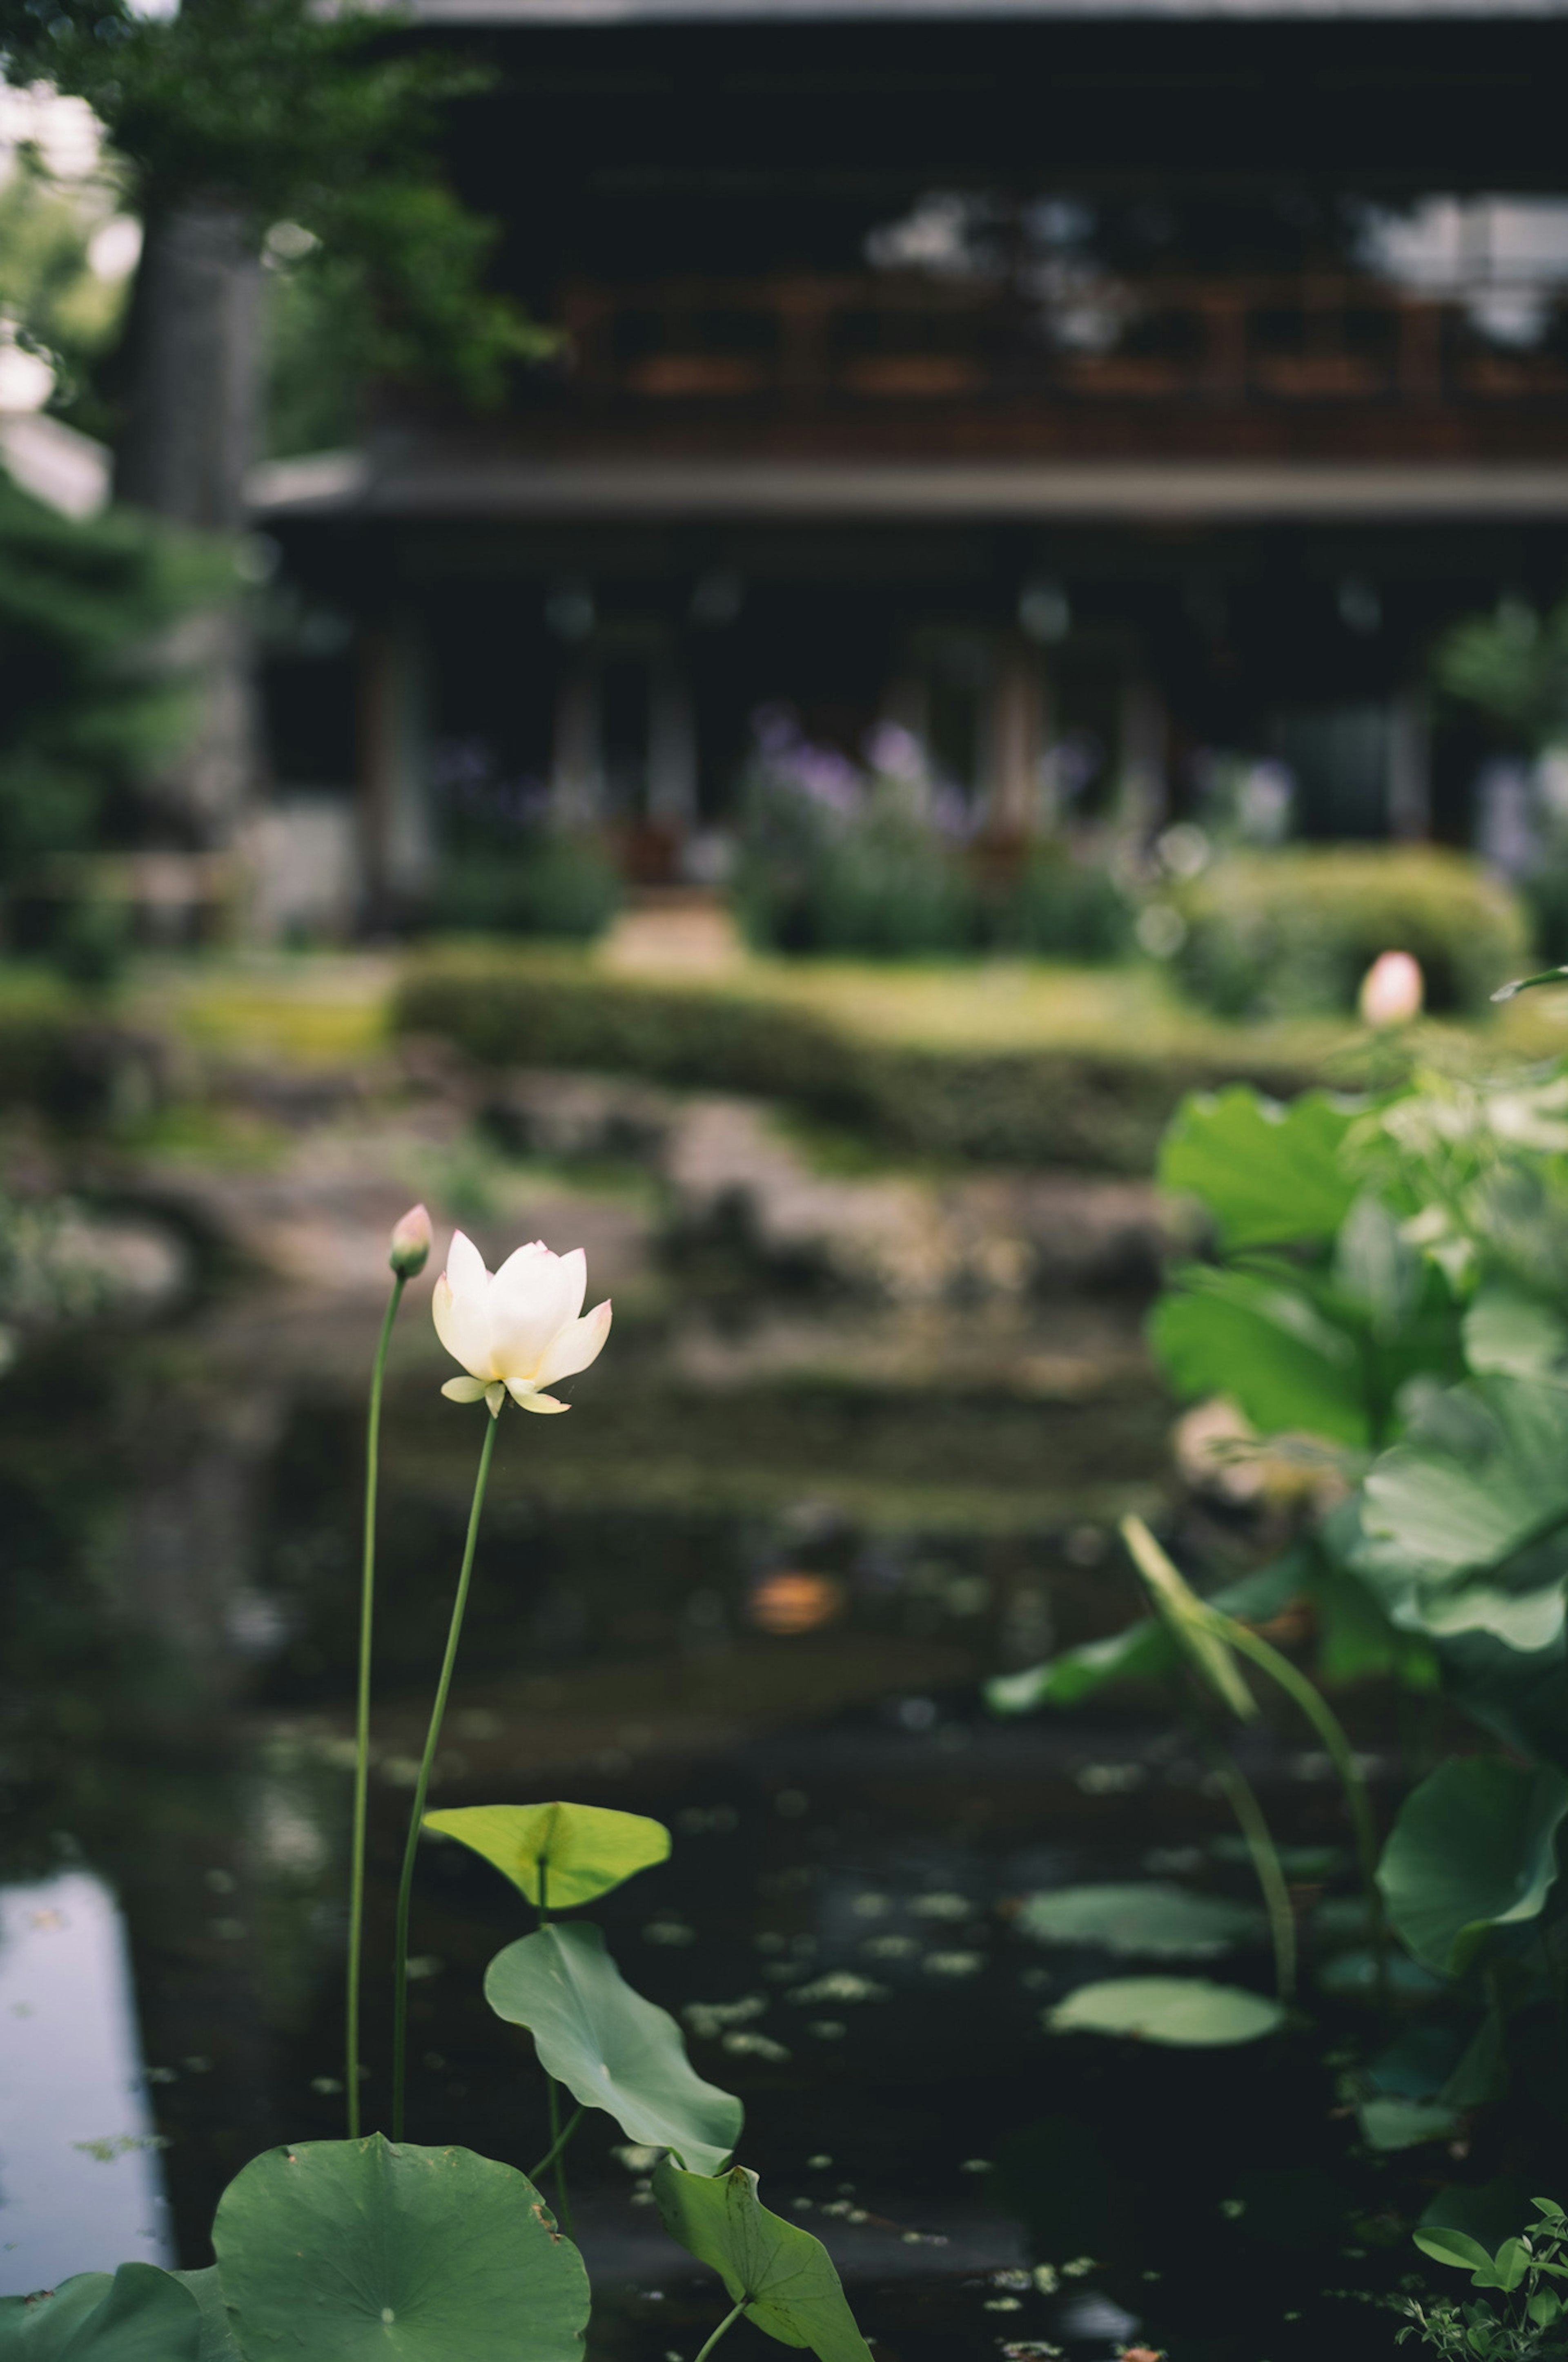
column 516, row 1330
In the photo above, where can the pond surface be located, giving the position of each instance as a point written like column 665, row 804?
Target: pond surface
column 752, row 1600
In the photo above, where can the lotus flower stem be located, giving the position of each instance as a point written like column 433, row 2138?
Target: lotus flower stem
column 1258, row 1838
column 559, row 2143
column 1341, row 1753
column 422, row 1789
column 362, row 1717
column 728, row 2322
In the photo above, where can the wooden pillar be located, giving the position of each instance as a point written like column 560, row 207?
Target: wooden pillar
column 1410, row 770
column 1014, row 736
column 672, row 749
column 1141, row 793
column 396, row 836
column 576, row 769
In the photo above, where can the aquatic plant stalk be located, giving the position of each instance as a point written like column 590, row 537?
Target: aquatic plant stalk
column 1238, row 1794
column 362, row 1715
column 1336, row 1745
column 556, row 2153
column 558, row 2144
column 728, row 2322
column 422, row 1788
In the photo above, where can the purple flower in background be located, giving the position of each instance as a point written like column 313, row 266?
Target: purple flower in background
column 895, row 753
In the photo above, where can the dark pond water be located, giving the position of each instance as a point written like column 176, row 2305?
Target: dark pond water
column 853, row 1835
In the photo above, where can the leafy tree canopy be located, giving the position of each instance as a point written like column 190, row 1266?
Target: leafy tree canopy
column 314, row 118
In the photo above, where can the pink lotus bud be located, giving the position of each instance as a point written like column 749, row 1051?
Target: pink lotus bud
column 1392, row 990
column 411, row 1243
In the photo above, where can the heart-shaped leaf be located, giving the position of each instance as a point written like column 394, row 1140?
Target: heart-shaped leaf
column 138, row 2314
column 368, row 2251
column 581, row 1850
column 611, row 2049
column 1473, row 1847
column 1184, row 2012
column 784, row 2276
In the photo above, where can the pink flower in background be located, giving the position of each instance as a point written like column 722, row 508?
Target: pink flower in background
column 409, row 1246
column 1392, row 990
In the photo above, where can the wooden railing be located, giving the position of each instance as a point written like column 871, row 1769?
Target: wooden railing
column 809, row 342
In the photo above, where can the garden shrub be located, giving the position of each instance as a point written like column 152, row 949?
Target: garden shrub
column 1058, row 907
column 1291, row 932
column 546, row 882
column 1099, row 1108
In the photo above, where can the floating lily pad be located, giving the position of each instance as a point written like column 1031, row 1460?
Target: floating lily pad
column 1390, row 2123
column 1355, row 1971
column 785, row 2277
column 1181, row 2011
column 583, row 1850
column 368, row 2251
column 137, row 2314
column 1150, row 1918
column 611, row 2049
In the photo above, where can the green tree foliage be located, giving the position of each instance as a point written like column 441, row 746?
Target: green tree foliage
column 82, row 718
column 314, row 118
column 1513, row 666
column 58, row 306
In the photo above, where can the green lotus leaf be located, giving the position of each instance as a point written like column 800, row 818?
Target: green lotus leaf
column 1473, row 1847
column 1149, row 1918
column 558, row 1855
column 1269, row 1173
column 611, row 2049
column 784, row 2276
column 371, row 2251
column 139, row 2313
column 217, row 2337
column 1184, row 2012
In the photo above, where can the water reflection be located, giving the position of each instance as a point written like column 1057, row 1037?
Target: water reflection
column 755, row 1602
column 81, row 2174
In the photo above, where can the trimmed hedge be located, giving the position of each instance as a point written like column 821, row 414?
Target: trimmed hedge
column 1049, row 1105
column 1291, row 932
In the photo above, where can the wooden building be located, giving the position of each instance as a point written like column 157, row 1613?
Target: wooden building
column 1095, row 391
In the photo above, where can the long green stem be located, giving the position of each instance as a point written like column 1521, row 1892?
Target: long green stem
column 556, row 2151
column 729, row 2322
column 362, row 1717
column 558, row 2144
column 422, row 1789
column 1331, row 1731
column 1238, row 1794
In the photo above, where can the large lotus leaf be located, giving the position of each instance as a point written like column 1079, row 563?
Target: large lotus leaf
column 1269, row 1173
column 1484, row 1475
column 783, row 2276
column 582, row 1850
column 138, row 2314
column 1183, row 2011
column 1473, row 1847
column 370, row 2251
column 217, row 2337
column 1259, row 1338
column 611, row 2049
column 1144, row 1649
column 1149, row 1918
column 1520, row 1699
column 1508, row 1333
